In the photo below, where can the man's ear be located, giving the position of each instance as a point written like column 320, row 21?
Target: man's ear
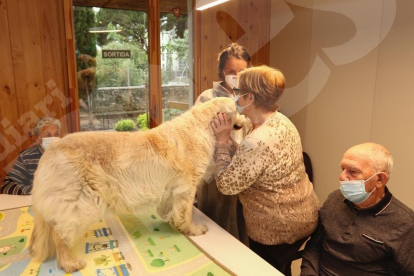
column 382, row 179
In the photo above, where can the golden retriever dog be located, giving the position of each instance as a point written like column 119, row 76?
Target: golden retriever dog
column 84, row 175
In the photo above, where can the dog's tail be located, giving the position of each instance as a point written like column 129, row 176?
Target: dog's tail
column 42, row 245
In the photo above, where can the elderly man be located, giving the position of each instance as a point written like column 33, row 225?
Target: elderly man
column 19, row 181
column 363, row 230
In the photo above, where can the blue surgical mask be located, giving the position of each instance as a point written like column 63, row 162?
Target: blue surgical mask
column 238, row 107
column 354, row 190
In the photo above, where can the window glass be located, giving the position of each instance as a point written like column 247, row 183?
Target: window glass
column 175, row 63
column 112, row 68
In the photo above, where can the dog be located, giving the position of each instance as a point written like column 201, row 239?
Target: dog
column 83, row 175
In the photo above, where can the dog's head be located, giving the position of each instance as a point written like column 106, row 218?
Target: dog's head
column 228, row 106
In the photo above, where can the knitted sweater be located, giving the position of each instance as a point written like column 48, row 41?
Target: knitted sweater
column 19, row 181
column 268, row 173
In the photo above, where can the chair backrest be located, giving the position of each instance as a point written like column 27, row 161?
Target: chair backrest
column 308, row 166
column 178, row 105
column 176, row 108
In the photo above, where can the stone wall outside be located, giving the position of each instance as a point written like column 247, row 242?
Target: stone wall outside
column 134, row 98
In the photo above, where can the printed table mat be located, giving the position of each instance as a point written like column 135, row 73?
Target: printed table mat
column 115, row 246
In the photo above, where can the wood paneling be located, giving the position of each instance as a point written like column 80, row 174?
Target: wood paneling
column 155, row 64
column 197, row 52
column 241, row 21
column 69, row 41
column 33, row 78
column 27, row 62
column 53, row 59
column 9, row 141
column 138, row 5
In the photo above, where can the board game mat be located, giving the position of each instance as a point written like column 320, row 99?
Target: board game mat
column 117, row 246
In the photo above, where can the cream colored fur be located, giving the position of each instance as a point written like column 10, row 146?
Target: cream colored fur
column 82, row 176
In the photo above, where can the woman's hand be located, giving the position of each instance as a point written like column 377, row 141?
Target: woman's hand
column 221, row 126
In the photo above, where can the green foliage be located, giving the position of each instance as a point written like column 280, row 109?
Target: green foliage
column 134, row 26
column 113, row 72
column 142, row 121
column 85, row 42
column 180, row 46
column 170, row 22
column 125, row 125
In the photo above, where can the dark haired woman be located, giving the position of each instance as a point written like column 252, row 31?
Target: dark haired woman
column 223, row 209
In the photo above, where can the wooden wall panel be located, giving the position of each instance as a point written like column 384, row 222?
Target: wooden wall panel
column 155, row 64
column 241, row 21
column 68, row 39
column 27, row 62
column 10, row 138
column 33, row 79
column 55, row 101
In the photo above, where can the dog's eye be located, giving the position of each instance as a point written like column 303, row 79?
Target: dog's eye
column 237, row 127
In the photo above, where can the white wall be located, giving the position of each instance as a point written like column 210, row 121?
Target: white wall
column 349, row 66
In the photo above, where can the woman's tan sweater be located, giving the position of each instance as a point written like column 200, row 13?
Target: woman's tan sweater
column 268, row 173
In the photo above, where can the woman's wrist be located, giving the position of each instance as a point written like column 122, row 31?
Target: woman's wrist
column 223, row 144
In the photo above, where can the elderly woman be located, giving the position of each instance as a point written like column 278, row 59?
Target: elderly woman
column 19, row 180
column 267, row 171
column 225, row 210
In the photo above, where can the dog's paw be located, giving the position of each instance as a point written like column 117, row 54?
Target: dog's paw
column 197, row 229
column 73, row 265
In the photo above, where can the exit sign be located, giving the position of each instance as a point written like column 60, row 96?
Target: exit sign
column 116, row 53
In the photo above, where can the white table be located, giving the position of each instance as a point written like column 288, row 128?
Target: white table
column 219, row 244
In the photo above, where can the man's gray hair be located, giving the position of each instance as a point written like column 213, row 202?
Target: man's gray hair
column 46, row 121
column 381, row 159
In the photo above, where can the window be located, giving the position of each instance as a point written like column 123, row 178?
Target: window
column 175, row 50
column 113, row 70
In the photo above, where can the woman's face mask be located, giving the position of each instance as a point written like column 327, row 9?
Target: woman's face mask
column 238, row 107
column 46, row 141
column 354, row 190
column 231, row 80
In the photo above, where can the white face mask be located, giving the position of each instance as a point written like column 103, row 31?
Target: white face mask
column 238, row 107
column 231, row 80
column 48, row 140
column 354, row 190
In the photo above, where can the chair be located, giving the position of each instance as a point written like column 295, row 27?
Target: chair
column 298, row 255
column 308, row 166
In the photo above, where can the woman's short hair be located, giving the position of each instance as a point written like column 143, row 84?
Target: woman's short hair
column 45, row 121
column 265, row 83
column 234, row 50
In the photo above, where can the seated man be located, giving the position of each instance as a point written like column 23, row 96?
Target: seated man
column 19, row 181
column 363, row 229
